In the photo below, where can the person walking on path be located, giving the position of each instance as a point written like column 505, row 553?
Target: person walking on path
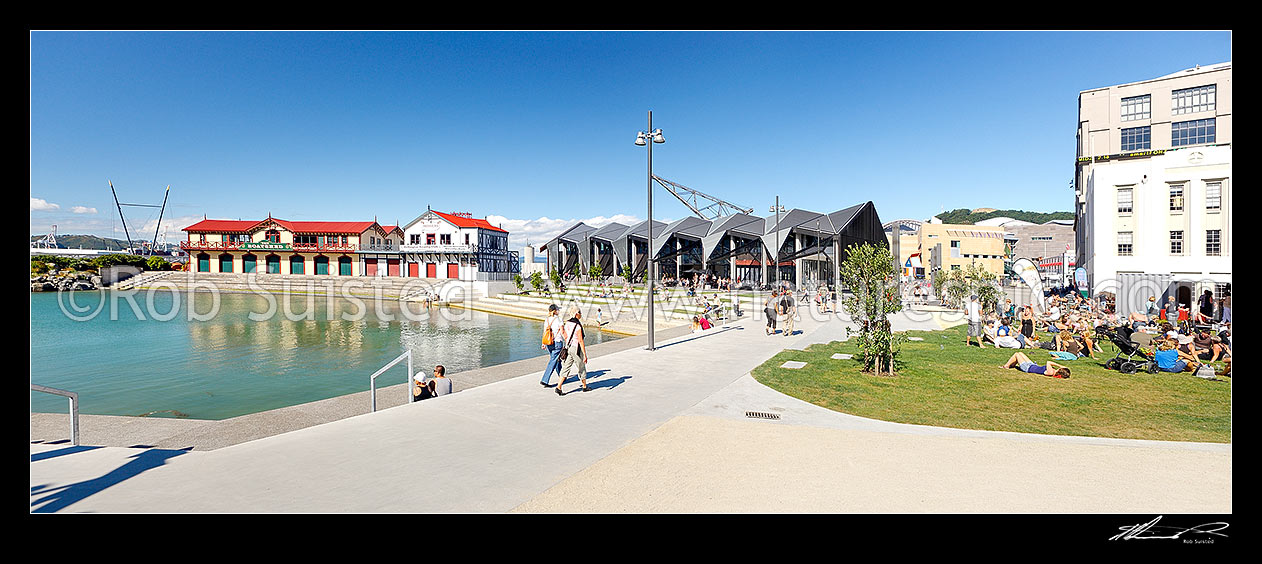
column 789, row 308
column 552, row 342
column 769, row 309
column 575, row 351
column 974, row 321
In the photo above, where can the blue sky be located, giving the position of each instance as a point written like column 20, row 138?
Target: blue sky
column 535, row 129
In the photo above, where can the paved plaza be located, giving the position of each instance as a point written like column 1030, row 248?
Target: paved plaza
column 661, row 431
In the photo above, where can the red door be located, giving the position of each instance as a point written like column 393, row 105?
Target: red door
column 453, row 270
column 414, row 269
column 370, row 267
column 392, row 267
column 431, row 270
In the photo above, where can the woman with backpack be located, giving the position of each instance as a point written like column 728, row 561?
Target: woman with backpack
column 552, row 342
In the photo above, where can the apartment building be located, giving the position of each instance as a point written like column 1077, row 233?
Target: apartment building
column 1153, row 187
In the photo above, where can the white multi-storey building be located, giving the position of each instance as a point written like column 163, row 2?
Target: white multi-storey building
column 1153, row 187
column 457, row 246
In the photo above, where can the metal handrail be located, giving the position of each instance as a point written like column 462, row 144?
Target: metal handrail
column 74, row 408
column 372, row 380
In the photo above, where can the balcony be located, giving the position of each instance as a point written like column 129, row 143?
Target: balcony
column 267, row 246
column 438, row 249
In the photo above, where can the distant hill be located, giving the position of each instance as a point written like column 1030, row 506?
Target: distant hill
column 86, row 242
column 965, row 216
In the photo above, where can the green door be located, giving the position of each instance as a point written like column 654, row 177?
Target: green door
column 322, row 265
column 273, row 264
column 247, row 263
column 295, row 265
column 344, row 266
column 225, row 263
column 203, row 263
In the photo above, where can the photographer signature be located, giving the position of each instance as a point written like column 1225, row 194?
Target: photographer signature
column 1148, row 530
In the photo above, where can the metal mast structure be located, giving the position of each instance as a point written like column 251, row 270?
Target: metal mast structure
column 697, row 201
column 162, row 208
column 49, row 241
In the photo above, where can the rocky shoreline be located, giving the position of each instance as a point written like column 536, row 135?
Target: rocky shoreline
column 65, row 282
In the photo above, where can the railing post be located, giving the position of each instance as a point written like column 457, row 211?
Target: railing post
column 74, row 408
column 410, row 376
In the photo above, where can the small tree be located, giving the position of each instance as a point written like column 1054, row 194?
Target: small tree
column 627, row 272
column 536, row 280
column 556, row 278
column 596, row 271
column 868, row 272
column 517, row 281
column 157, row 263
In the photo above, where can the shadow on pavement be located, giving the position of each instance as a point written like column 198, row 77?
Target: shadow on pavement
column 56, row 499
column 60, row 452
column 702, row 334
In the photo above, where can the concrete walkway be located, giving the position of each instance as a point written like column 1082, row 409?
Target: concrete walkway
column 660, row 431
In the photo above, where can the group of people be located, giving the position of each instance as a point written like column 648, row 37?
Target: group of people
column 425, row 388
column 563, row 339
column 780, row 304
column 1183, row 341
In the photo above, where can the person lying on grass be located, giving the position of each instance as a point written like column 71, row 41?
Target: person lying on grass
column 1024, row 364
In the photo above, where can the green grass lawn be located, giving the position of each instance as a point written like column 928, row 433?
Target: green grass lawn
column 945, row 383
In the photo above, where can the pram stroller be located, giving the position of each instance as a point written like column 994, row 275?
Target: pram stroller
column 1121, row 338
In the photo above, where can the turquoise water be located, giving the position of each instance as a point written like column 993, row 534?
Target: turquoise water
column 127, row 362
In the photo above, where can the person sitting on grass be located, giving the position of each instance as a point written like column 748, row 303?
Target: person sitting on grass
column 1170, row 359
column 1137, row 320
column 1006, row 337
column 1024, row 364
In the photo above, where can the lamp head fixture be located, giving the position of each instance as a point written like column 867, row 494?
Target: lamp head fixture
column 657, row 137
column 639, row 139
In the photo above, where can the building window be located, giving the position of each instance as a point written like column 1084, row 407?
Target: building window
column 1191, row 100
column 429, row 238
column 1137, row 107
column 955, row 249
column 414, row 238
column 1176, row 242
column 1213, row 195
column 1176, row 197
column 1125, row 200
column 466, row 238
column 955, row 267
column 1193, row 132
column 445, row 238
column 1137, row 138
column 1125, row 244
column 1221, row 290
column 1214, row 242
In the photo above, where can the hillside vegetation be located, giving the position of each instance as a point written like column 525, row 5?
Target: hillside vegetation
column 86, row 242
column 966, row 216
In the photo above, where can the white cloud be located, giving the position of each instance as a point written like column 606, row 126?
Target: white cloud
column 81, row 209
column 41, row 205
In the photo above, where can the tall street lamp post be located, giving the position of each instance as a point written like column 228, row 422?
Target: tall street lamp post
column 775, row 255
column 642, row 140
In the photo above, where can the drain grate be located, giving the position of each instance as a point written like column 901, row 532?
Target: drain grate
column 762, row 415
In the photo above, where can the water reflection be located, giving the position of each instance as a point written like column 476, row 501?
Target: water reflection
column 230, row 364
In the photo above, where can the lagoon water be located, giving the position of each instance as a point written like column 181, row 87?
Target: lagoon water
column 128, row 361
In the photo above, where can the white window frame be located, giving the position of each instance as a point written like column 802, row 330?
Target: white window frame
column 1219, row 242
column 1130, row 200
column 1137, row 107
column 1127, row 239
column 1176, row 241
column 1182, row 197
column 1194, row 100
column 1214, row 202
